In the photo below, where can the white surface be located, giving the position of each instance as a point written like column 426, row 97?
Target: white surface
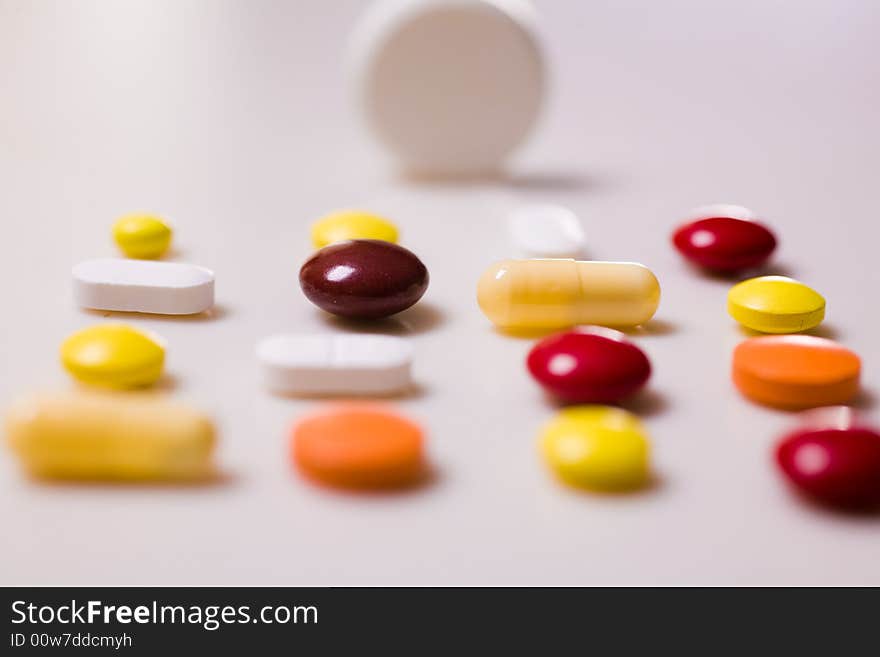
column 448, row 86
column 232, row 118
column 335, row 364
column 144, row 286
column 546, row 231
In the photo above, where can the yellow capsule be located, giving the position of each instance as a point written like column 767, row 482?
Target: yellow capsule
column 352, row 225
column 597, row 447
column 94, row 435
column 551, row 293
column 142, row 236
column 113, row 356
column 775, row 304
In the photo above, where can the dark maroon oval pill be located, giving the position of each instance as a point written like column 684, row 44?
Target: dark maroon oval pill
column 363, row 279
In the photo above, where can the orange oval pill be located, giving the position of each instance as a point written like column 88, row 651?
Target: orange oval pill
column 795, row 371
column 358, row 446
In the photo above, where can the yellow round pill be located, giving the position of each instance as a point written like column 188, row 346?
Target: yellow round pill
column 775, row 304
column 113, row 356
column 142, row 236
column 352, row 225
column 597, row 447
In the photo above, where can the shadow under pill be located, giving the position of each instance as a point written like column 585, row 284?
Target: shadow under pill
column 536, row 181
column 219, row 479
column 218, row 312
column 420, row 318
column 654, row 327
column 647, row 403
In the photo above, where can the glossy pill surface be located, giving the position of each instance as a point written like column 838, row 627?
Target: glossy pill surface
column 92, row 435
column 363, row 279
column 589, row 365
column 142, row 236
column 597, row 447
column 795, row 371
column 352, row 225
column 353, row 364
column 725, row 244
column 560, row 293
column 113, row 356
column 359, row 446
column 775, row 304
column 836, row 464
column 162, row 288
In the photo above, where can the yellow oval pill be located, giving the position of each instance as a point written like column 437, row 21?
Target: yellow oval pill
column 113, row 356
column 142, row 236
column 775, row 304
column 352, row 225
column 597, row 447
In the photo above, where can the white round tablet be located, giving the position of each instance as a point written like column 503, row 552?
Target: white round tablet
column 546, row 231
column 721, row 210
column 450, row 87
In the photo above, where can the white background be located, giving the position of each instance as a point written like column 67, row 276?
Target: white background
column 231, row 119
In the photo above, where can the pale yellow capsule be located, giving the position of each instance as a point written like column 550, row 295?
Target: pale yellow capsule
column 352, row 225
column 142, row 236
column 93, row 435
column 558, row 293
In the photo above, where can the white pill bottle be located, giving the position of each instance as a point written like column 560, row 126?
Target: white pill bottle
column 449, row 87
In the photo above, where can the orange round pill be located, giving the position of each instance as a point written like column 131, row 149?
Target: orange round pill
column 358, row 446
column 795, row 371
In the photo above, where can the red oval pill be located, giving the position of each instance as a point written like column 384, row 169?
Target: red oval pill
column 724, row 243
column 839, row 466
column 589, row 364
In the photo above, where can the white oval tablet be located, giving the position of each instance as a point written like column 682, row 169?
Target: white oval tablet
column 450, row 87
column 144, row 286
column 720, row 210
column 335, row 364
column 546, row 231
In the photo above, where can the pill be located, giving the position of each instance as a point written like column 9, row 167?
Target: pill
column 163, row 288
column 359, row 446
column 142, row 235
column 550, row 294
column 448, row 87
column 352, row 225
column 589, row 364
column 546, row 231
column 775, row 304
column 597, row 447
column 795, row 371
column 727, row 210
column 114, row 356
column 836, row 462
column 335, row 364
column 363, row 279
column 725, row 244
column 102, row 435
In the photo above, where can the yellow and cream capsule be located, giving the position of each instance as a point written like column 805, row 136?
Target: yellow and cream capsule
column 558, row 293
column 92, row 435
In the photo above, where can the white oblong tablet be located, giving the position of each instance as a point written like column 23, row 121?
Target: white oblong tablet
column 721, row 210
column 449, row 87
column 546, row 231
column 144, row 286
column 297, row 364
